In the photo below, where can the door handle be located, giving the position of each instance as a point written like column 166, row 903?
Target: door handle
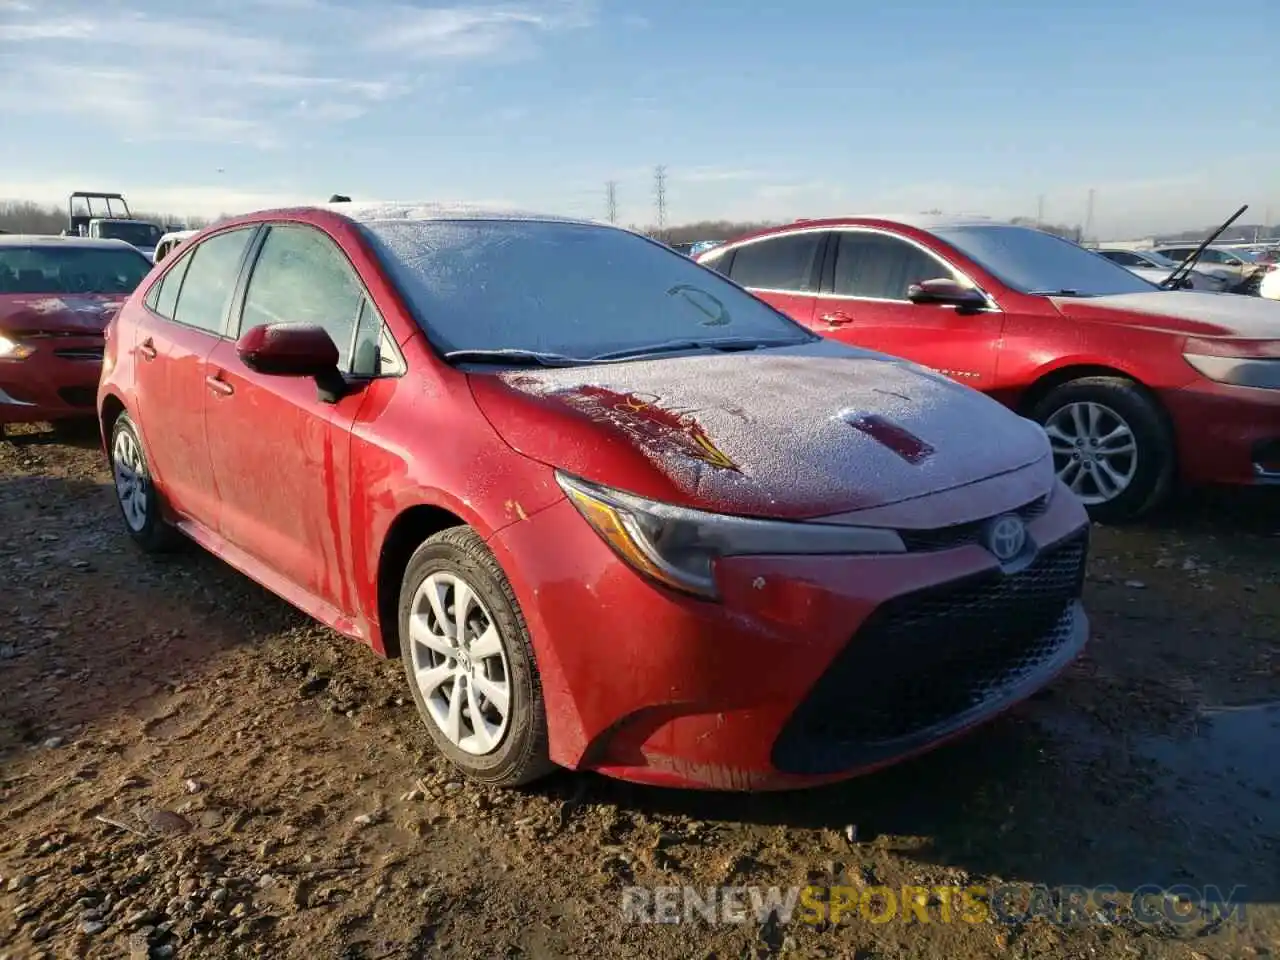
column 147, row 349
column 220, row 386
column 836, row 318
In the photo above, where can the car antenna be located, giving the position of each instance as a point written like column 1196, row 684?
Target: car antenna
column 1186, row 266
column 339, row 198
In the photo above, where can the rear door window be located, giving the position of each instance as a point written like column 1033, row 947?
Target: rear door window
column 210, row 281
column 784, row 263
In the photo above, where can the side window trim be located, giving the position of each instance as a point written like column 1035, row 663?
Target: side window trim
column 829, row 294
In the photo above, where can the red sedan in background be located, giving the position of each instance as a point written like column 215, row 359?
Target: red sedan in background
column 612, row 511
column 56, row 295
column 1136, row 386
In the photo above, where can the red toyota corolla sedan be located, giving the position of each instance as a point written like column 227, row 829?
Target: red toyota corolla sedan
column 613, row 512
column 56, row 294
column 1136, row 386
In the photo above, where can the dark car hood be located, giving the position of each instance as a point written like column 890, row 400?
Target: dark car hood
column 797, row 432
column 1181, row 311
column 65, row 315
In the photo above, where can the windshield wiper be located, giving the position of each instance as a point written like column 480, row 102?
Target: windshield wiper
column 1184, row 269
column 515, row 358
column 1053, row 293
column 722, row 344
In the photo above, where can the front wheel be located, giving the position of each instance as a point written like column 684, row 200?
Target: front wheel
column 1111, row 445
column 469, row 661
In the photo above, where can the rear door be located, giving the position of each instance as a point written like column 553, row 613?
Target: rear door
column 864, row 303
column 186, row 317
column 781, row 269
column 280, row 454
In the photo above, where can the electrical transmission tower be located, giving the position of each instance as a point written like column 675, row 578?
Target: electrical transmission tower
column 660, row 199
column 611, row 200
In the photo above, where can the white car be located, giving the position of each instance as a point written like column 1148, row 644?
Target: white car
column 170, row 240
column 1155, row 267
column 1239, row 265
column 1270, row 285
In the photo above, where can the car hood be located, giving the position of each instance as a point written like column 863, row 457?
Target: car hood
column 795, row 432
column 66, row 315
column 1181, row 311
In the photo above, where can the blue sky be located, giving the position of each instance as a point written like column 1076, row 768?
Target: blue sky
column 1167, row 109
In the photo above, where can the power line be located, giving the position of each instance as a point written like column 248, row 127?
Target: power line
column 660, row 198
column 611, row 200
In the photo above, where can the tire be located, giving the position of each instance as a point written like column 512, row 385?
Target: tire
column 504, row 751
column 141, row 509
column 1150, row 473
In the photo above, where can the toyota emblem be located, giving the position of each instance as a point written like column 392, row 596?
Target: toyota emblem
column 1006, row 537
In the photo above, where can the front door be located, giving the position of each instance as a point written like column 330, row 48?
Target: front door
column 185, row 318
column 281, row 454
column 865, row 304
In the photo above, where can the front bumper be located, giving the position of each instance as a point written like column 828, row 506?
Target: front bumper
column 810, row 669
column 1226, row 434
column 58, row 381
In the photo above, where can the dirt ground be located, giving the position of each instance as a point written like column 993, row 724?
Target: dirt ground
column 190, row 768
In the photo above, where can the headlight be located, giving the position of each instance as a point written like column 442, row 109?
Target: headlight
column 1238, row 371
column 13, row 350
column 678, row 547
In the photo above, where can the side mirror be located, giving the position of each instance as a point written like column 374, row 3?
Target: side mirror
column 946, row 292
column 294, row 350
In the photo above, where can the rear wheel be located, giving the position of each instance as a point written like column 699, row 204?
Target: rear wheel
column 135, row 493
column 469, row 661
column 1111, row 445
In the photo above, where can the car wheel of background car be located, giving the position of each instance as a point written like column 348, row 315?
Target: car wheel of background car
column 1111, row 445
column 137, row 495
column 469, row 661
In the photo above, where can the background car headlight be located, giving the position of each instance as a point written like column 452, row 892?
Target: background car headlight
column 13, row 350
column 1263, row 372
column 678, row 547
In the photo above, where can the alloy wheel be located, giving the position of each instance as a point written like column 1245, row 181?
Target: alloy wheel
column 1094, row 450
column 129, row 468
column 459, row 663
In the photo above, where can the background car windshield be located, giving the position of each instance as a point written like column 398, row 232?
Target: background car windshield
column 138, row 234
column 1034, row 261
column 566, row 288
column 1159, row 259
column 70, row 270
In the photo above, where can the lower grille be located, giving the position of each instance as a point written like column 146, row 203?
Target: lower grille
column 78, row 396
column 80, row 353
column 928, row 662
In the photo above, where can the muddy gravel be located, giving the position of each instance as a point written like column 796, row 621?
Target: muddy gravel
column 191, row 768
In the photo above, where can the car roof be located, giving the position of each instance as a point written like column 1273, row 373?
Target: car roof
column 920, row 221
column 383, row 211
column 45, row 240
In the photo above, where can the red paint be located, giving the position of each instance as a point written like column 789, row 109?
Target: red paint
column 902, row 442
column 638, row 681
column 1010, row 352
column 644, row 419
column 51, row 326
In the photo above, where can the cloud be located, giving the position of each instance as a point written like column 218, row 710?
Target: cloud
column 204, row 199
column 257, row 72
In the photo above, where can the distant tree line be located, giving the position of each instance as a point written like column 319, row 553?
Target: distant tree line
column 23, row 216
